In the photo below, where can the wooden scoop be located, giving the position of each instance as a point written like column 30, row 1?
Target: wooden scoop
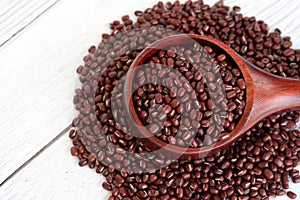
column 265, row 94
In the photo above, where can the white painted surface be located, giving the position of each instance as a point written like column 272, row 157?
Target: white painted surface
column 55, row 175
column 17, row 14
column 37, row 76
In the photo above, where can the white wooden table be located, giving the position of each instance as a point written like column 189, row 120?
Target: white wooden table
column 41, row 44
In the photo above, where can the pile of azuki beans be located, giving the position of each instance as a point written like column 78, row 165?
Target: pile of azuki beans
column 199, row 66
column 258, row 166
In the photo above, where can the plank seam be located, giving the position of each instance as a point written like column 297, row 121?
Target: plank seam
column 63, row 132
column 28, row 24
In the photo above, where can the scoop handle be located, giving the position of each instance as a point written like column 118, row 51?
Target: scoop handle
column 271, row 94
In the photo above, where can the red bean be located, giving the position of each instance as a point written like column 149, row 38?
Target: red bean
column 266, row 154
column 291, row 195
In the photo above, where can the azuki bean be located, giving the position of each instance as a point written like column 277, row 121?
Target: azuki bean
column 268, row 173
column 280, row 192
column 169, row 98
column 106, row 186
column 272, row 135
column 291, row 195
column 74, row 151
column 296, row 179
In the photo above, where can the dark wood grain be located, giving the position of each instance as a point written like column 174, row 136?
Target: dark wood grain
column 265, row 94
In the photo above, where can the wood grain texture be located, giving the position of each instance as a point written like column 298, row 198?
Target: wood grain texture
column 37, row 76
column 15, row 15
column 55, row 176
column 37, row 79
column 266, row 94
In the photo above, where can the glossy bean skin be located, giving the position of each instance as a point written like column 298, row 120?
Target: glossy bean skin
column 267, row 153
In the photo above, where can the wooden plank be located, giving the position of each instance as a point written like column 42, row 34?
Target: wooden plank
column 37, row 74
column 55, row 175
column 17, row 14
